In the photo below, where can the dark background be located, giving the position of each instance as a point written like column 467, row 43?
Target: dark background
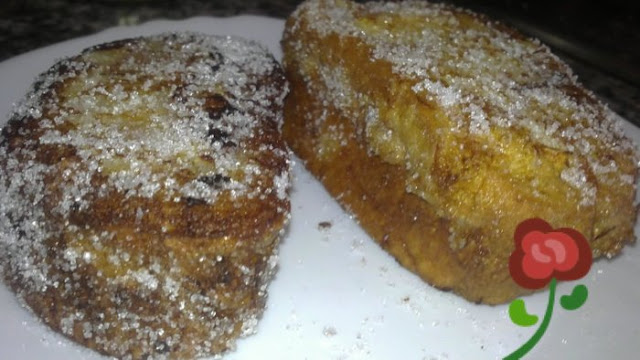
column 599, row 39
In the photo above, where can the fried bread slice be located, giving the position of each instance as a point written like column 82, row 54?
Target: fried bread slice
column 442, row 130
column 144, row 189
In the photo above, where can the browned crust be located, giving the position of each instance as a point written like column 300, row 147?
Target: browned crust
column 402, row 223
column 337, row 77
column 221, row 253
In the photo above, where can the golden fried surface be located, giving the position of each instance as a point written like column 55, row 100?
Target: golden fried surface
column 143, row 187
column 441, row 131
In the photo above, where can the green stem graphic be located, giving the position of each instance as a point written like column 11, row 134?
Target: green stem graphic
column 526, row 347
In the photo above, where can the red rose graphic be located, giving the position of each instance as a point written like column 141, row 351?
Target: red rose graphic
column 542, row 256
column 543, row 253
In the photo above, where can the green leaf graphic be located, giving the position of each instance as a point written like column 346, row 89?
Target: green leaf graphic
column 519, row 315
column 526, row 347
column 577, row 298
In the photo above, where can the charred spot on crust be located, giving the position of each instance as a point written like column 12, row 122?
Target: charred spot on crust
column 217, row 105
column 109, row 46
column 52, row 154
column 191, row 201
column 37, row 86
column 216, row 134
column 217, row 59
column 220, row 136
column 19, row 133
column 161, row 347
column 228, row 144
column 16, row 225
column 75, row 207
column 215, row 181
column 122, row 298
column 179, row 94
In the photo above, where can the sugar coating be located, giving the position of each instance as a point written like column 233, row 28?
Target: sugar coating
column 169, row 119
column 482, row 75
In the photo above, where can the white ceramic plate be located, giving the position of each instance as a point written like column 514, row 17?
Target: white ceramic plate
column 337, row 295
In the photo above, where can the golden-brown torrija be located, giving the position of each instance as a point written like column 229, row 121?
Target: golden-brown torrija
column 143, row 187
column 441, row 130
